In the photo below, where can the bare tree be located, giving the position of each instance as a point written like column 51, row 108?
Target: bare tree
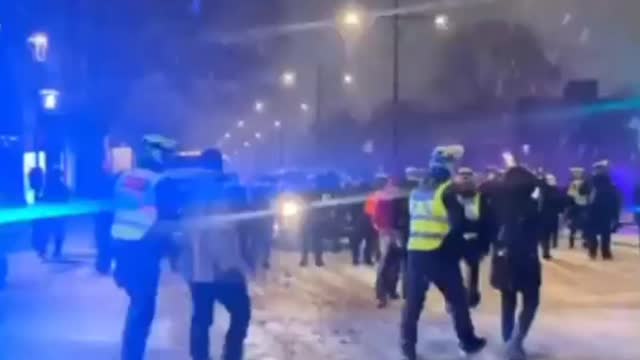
column 491, row 63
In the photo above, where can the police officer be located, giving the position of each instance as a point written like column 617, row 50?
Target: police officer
column 434, row 251
column 602, row 212
column 214, row 256
column 140, row 203
column 577, row 208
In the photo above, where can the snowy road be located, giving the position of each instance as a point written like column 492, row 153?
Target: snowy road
column 590, row 311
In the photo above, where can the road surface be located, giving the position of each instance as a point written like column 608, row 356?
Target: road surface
column 55, row 311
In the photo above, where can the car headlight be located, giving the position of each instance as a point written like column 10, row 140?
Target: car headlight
column 290, row 208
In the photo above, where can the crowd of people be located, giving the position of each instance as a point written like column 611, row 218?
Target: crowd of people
column 448, row 217
column 418, row 227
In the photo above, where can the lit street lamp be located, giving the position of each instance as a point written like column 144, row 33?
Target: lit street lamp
column 240, row 124
column 304, row 107
column 227, row 136
column 39, row 43
column 247, row 144
column 441, row 22
column 259, row 106
column 49, row 98
column 277, row 124
column 351, row 21
column 258, row 135
column 347, row 79
column 288, row 79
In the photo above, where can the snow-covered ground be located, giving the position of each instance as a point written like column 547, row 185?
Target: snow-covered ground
column 590, row 311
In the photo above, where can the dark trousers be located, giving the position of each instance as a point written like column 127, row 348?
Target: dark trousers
column 234, row 296
column 599, row 238
column 424, row 268
column 637, row 220
column 102, row 235
column 355, row 241
column 472, row 263
column 45, row 230
column 530, row 302
column 312, row 241
column 547, row 239
column 140, row 314
column 4, row 269
column 389, row 272
column 137, row 271
column 576, row 223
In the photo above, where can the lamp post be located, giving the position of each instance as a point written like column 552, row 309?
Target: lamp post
column 49, row 99
column 39, row 43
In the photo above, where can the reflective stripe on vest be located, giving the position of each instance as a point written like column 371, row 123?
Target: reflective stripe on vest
column 429, row 220
column 135, row 202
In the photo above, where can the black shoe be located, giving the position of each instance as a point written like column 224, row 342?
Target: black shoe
column 547, row 257
column 382, row 304
column 319, row 263
column 409, row 352
column 304, row 262
column 394, row 296
column 474, row 299
column 473, row 346
column 607, row 257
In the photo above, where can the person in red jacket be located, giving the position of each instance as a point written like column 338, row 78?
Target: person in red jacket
column 384, row 220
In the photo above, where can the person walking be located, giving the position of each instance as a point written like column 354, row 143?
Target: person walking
column 516, row 268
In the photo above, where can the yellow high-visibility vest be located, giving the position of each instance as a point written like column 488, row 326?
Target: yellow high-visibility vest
column 429, row 219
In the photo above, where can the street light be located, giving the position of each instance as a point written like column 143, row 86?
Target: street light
column 258, row 135
column 347, row 79
column 441, row 22
column 304, row 107
column 288, row 79
column 351, row 21
column 259, row 106
column 49, row 99
column 247, row 144
column 277, row 124
column 227, row 136
column 39, row 43
column 351, row 17
column 240, row 124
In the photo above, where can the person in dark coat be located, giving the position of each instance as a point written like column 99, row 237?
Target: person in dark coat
column 102, row 227
column 636, row 208
column 603, row 212
column 55, row 191
column 362, row 229
column 516, row 268
column 479, row 229
column 552, row 205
